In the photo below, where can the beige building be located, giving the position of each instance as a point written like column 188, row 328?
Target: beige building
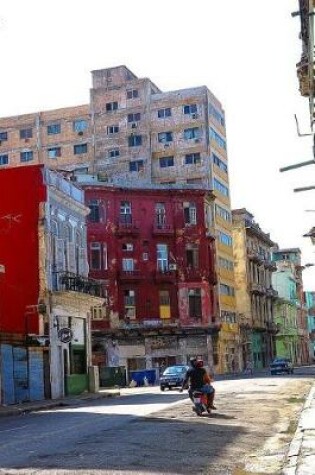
column 133, row 132
column 255, row 295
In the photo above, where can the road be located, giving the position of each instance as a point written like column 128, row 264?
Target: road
column 146, row 432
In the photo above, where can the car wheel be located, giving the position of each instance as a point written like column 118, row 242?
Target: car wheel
column 162, row 388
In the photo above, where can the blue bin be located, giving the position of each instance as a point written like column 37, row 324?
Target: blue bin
column 138, row 376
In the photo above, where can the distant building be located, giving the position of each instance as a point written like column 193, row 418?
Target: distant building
column 45, row 292
column 310, row 304
column 289, row 261
column 132, row 132
column 151, row 248
column 255, row 294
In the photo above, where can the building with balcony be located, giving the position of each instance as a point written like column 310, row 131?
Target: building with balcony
column 132, row 132
column 255, row 294
column 151, row 248
column 46, row 296
column 288, row 262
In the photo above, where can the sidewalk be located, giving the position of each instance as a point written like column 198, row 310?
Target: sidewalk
column 17, row 409
column 301, row 456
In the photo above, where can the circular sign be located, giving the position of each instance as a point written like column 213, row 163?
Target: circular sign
column 65, row 335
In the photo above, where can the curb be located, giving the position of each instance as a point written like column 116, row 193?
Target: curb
column 66, row 402
column 292, row 458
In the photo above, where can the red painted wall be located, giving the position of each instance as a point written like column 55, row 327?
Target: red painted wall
column 145, row 240
column 22, row 190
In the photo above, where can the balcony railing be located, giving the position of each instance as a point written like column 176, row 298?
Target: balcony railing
column 165, row 276
column 162, row 229
column 66, row 281
column 129, row 275
column 271, row 293
column 127, row 227
column 257, row 288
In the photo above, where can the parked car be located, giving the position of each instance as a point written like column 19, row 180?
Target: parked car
column 281, row 365
column 173, row 377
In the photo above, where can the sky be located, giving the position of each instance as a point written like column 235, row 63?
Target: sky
column 245, row 51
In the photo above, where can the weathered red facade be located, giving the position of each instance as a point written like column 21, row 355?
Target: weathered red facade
column 185, row 280
column 22, row 190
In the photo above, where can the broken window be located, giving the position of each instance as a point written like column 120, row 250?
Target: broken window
column 190, row 213
column 194, row 300
column 192, row 256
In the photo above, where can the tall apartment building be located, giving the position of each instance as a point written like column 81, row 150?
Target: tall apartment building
column 132, row 132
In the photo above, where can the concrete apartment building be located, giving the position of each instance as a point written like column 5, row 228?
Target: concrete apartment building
column 132, row 132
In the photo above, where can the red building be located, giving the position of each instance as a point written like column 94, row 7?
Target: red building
column 152, row 249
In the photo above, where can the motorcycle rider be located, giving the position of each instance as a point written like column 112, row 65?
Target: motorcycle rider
column 199, row 380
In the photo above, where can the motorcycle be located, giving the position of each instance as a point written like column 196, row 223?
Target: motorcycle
column 200, row 401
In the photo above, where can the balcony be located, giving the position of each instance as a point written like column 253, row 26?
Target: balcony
column 165, row 276
column 271, row 293
column 270, row 265
column 68, row 281
column 130, row 275
column 162, row 229
column 127, row 227
column 254, row 256
column 257, row 288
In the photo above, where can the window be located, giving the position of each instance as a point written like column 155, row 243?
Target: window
column 192, row 133
column 80, row 125
column 160, row 214
column 225, row 239
column 164, row 137
column 114, row 153
column 192, row 256
column 136, row 166
column 26, row 156
column 132, row 94
column 128, row 246
column 127, row 264
column 112, row 129
column 135, row 117
column 162, row 257
column 223, row 213
column 217, row 138
column 219, row 163
column 125, row 212
column 4, row 159
column 226, row 290
column 54, row 152
column 111, row 106
column 53, row 129
column 98, row 256
column 164, row 297
column 129, row 301
column 226, row 264
column 220, row 187
column 192, row 159
column 190, row 109
column 216, row 114
column 3, row 136
column 194, row 300
column 80, row 148
column 166, row 162
column 26, row 133
column 95, row 211
column 190, row 213
column 134, row 140
column 98, row 312
column 162, row 113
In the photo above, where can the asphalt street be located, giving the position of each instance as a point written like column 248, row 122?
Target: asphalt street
column 145, row 431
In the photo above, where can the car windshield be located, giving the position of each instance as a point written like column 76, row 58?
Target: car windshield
column 280, row 360
column 174, row 370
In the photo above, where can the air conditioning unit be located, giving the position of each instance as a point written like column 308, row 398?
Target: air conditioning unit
column 134, row 125
column 166, row 145
column 197, row 140
column 80, row 133
column 194, row 116
column 172, row 266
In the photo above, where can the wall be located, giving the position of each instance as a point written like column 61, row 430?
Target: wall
column 22, row 190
